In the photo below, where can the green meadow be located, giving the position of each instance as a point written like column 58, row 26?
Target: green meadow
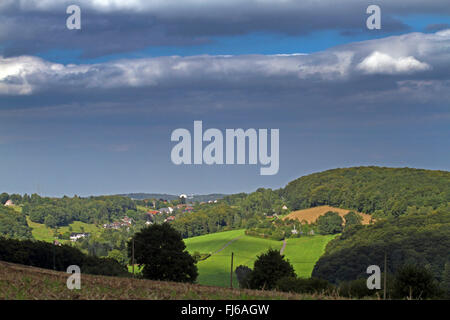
column 304, row 252
column 41, row 232
column 215, row 270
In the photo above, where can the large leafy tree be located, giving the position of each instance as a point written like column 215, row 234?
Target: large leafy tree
column 162, row 253
column 352, row 219
column 330, row 223
column 268, row 269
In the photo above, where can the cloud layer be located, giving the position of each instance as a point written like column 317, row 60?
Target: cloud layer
column 111, row 26
column 407, row 57
column 105, row 127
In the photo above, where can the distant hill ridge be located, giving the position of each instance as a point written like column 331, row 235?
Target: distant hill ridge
column 165, row 196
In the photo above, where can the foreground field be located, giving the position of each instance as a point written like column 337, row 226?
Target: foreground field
column 302, row 253
column 312, row 214
column 29, row 283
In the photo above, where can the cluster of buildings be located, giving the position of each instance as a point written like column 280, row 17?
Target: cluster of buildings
column 125, row 222
column 182, row 208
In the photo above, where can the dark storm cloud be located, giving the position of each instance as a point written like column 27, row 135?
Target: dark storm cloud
column 370, row 83
column 112, row 26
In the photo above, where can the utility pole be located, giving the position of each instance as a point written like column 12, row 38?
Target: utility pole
column 231, row 271
column 54, row 255
column 385, row 275
column 132, row 254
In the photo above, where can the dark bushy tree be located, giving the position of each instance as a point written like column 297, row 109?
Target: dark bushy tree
column 243, row 275
column 330, row 223
column 414, row 282
column 161, row 251
column 445, row 285
column 352, row 219
column 269, row 267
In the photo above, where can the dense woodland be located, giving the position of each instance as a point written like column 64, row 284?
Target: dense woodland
column 419, row 237
column 13, row 224
column 56, row 212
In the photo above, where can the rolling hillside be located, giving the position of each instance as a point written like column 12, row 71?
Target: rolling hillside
column 215, row 270
column 312, row 214
column 30, row 283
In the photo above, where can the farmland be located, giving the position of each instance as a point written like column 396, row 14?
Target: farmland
column 312, row 214
column 215, row 270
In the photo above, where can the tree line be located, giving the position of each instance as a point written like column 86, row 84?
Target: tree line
column 58, row 257
column 56, row 212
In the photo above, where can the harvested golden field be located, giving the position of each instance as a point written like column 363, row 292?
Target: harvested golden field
column 30, row 283
column 312, row 214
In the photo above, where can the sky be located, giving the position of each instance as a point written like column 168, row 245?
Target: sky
column 91, row 111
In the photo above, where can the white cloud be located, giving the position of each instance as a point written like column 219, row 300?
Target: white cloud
column 404, row 56
column 383, row 63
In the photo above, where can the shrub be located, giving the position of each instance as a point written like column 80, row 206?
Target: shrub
column 414, row 282
column 355, row 289
column 301, row 285
column 243, row 276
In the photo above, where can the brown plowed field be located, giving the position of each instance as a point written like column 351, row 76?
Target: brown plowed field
column 312, row 214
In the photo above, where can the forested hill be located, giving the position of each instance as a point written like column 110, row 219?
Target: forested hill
column 380, row 190
column 420, row 237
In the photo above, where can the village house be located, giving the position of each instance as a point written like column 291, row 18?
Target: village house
column 127, row 220
column 9, row 203
column 168, row 210
column 171, row 218
column 184, row 208
column 76, row 236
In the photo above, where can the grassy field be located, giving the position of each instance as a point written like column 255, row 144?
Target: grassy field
column 211, row 243
column 19, row 282
column 42, row 232
column 302, row 252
